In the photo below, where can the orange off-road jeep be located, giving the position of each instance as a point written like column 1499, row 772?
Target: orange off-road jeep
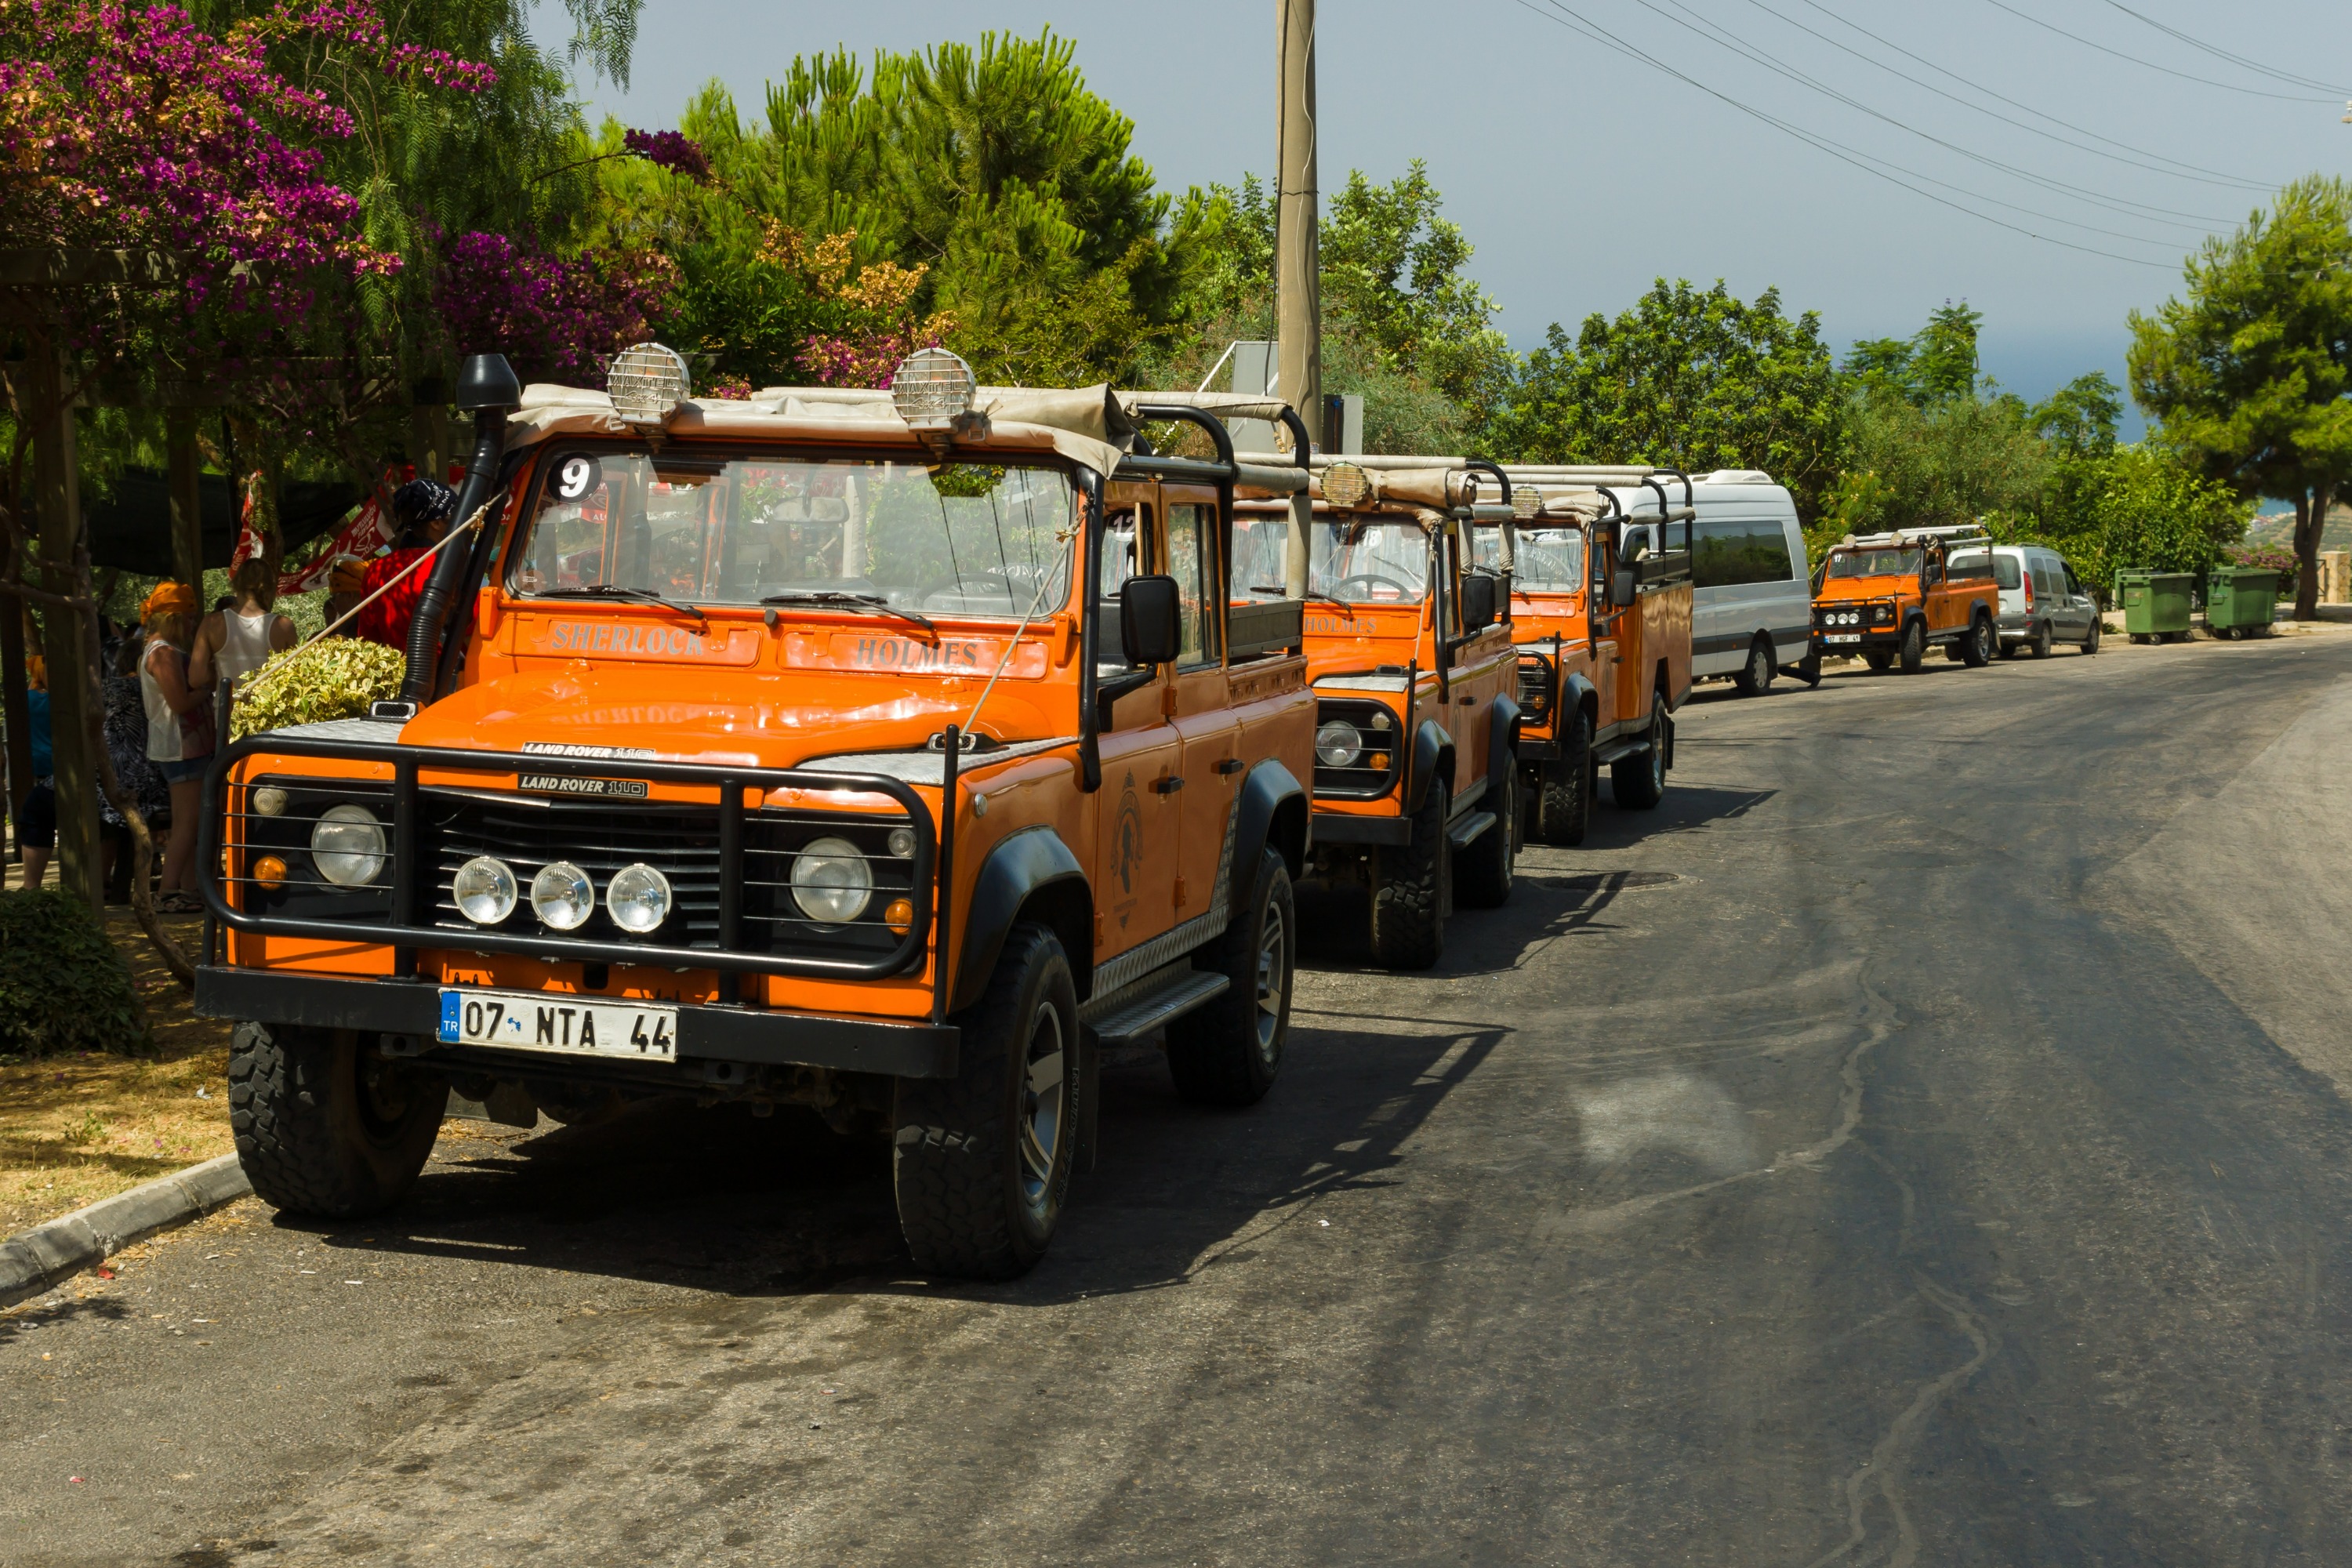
column 1600, row 595
column 1413, row 681
column 1888, row 595
column 881, row 752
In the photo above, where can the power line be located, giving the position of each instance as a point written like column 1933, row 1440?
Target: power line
column 1586, row 29
column 2207, row 80
column 2014, row 103
column 1726, row 39
column 2239, row 61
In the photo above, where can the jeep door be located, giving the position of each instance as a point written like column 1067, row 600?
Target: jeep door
column 1135, row 811
column 1204, row 716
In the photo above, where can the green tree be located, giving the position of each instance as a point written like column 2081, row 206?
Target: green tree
column 1944, row 354
column 2249, row 374
column 992, row 173
column 2141, row 505
column 1953, row 461
column 2079, row 418
column 1688, row 378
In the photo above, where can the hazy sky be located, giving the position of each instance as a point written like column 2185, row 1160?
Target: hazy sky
column 1581, row 174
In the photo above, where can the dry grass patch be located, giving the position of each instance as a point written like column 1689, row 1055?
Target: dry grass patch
column 75, row 1128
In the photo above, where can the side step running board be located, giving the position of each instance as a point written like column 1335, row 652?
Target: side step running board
column 1465, row 829
column 1135, row 1016
column 1617, row 751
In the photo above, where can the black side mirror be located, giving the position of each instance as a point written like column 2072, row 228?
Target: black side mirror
column 1623, row 586
column 1150, row 616
column 1478, row 602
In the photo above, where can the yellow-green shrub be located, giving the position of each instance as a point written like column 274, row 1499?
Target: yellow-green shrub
column 334, row 679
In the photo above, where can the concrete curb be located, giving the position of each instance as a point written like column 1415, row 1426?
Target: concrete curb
column 31, row 1261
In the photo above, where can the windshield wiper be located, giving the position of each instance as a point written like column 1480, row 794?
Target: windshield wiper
column 1311, row 592
column 632, row 596
column 834, row 598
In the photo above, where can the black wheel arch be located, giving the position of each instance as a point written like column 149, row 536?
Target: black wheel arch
column 1030, row 875
column 1432, row 756
column 1577, row 692
column 1273, row 812
column 1502, row 741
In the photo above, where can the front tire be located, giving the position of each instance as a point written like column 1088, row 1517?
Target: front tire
column 981, row 1163
column 1755, row 677
column 1230, row 1052
column 1639, row 782
column 325, row 1126
column 1880, row 659
column 1914, row 647
column 1415, row 891
column 1483, row 879
column 1564, row 788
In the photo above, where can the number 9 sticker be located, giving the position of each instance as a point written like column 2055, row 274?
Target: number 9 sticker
column 575, row 476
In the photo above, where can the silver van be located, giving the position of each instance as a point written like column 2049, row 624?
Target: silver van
column 1752, row 610
column 2042, row 601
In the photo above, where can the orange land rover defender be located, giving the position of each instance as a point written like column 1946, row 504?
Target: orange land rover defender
column 1888, row 595
column 1599, row 573
column 885, row 753
column 1415, row 714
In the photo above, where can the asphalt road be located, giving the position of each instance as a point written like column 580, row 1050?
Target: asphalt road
column 1921, row 1140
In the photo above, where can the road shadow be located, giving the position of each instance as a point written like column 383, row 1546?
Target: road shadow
column 720, row 1201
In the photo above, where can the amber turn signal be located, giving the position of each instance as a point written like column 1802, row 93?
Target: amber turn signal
column 269, row 871
column 899, row 916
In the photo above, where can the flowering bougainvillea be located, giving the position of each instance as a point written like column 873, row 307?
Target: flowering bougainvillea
column 556, row 318
column 671, row 150
column 127, row 127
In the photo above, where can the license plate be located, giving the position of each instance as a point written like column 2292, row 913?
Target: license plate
column 1841, row 637
column 526, row 1021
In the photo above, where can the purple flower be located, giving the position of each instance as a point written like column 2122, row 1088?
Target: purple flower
column 672, row 150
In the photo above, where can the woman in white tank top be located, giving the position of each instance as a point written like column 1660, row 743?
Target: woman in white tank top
column 233, row 643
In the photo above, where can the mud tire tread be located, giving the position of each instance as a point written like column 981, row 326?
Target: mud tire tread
column 1414, row 888
column 953, row 1155
column 1212, row 1053
column 292, row 1095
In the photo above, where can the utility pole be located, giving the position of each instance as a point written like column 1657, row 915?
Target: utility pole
column 1298, row 264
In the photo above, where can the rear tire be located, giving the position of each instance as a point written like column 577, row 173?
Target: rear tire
column 1639, row 782
column 1413, row 890
column 2091, row 643
column 1564, row 789
column 1755, row 677
column 1914, row 647
column 981, row 1163
column 325, row 1127
column 2040, row 644
column 1483, row 879
column 1230, row 1052
column 1976, row 649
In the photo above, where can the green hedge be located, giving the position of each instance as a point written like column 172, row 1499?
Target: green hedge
column 63, row 985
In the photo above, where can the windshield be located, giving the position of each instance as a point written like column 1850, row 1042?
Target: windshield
column 1357, row 560
column 962, row 539
column 1549, row 560
column 1889, row 562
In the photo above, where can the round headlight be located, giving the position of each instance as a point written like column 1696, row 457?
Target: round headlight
column 1337, row 744
column 347, row 845
column 563, row 896
column 831, row 881
column 638, row 898
column 485, row 890
column 902, row 842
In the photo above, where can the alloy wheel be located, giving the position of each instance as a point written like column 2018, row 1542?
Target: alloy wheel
column 1044, row 1108
column 1273, row 983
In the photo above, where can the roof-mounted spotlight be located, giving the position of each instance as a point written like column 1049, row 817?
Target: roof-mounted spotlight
column 933, row 392
column 1346, row 484
column 1527, row 502
column 647, row 381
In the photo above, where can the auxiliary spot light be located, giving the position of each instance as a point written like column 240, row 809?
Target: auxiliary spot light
column 932, row 389
column 1346, row 484
column 647, row 381
column 1526, row 502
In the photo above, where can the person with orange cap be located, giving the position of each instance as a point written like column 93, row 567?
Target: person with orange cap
column 179, row 732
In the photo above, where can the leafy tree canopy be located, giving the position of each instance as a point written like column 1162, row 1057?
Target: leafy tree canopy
column 1938, row 361
column 2249, row 373
column 1688, row 378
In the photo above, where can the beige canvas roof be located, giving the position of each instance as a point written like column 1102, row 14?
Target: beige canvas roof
column 1094, row 426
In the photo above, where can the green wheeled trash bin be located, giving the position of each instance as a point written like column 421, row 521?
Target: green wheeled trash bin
column 2155, row 603
column 2240, row 601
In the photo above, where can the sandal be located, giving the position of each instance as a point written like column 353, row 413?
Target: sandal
column 178, row 903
